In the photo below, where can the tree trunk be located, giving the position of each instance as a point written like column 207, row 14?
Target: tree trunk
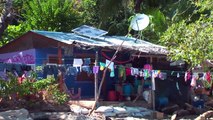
column 138, row 5
column 6, row 17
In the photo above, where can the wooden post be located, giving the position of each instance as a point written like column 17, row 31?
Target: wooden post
column 96, row 75
column 59, row 54
column 61, row 85
column 153, row 88
column 153, row 91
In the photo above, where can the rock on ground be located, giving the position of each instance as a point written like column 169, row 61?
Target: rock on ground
column 21, row 114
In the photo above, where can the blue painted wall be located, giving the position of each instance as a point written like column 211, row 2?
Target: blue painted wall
column 87, row 87
column 42, row 54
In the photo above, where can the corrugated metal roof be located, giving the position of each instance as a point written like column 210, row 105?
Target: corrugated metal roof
column 105, row 41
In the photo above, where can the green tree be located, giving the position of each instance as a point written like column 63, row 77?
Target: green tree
column 6, row 17
column 51, row 15
column 192, row 41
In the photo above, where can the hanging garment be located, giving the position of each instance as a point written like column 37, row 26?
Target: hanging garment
column 208, row 77
column 95, row 69
column 72, row 71
column 141, row 73
column 147, row 67
column 135, row 71
column 121, row 71
column 77, row 62
column 146, row 74
column 102, row 66
column 62, row 69
column 87, row 69
column 193, row 81
column 178, row 75
column 111, row 67
column 187, row 75
column 155, row 73
column 87, row 61
column 163, row 75
column 128, row 71
column 132, row 71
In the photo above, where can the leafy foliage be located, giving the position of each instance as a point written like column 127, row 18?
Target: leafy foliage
column 11, row 87
column 191, row 41
column 51, row 15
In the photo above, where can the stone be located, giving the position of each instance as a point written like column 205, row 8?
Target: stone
column 21, row 114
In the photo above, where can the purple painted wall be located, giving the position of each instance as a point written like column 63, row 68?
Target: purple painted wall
column 23, row 57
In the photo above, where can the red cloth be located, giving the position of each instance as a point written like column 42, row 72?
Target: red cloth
column 20, row 80
column 208, row 77
column 128, row 71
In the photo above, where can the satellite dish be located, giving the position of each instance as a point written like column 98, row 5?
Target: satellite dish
column 139, row 22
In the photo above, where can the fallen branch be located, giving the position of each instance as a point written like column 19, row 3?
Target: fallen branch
column 205, row 115
column 103, row 78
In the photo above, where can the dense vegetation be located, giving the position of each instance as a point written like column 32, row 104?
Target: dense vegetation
column 184, row 26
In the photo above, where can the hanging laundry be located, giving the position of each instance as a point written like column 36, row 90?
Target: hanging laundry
column 128, row 71
column 194, row 79
column 187, row 75
column 132, row 71
column 208, row 77
column 163, row 75
column 112, row 74
column 77, row 62
column 141, row 73
column 71, row 71
column 146, row 74
column 136, row 71
column 156, row 73
column 148, row 67
column 206, row 84
column 87, row 61
column 178, row 75
column 95, row 69
column 204, row 76
column 111, row 67
column 87, row 69
column 121, row 71
column 102, row 66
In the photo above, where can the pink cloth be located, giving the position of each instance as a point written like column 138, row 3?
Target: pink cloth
column 128, row 71
column 193, row 82
column 208, row 77
column 147, row 67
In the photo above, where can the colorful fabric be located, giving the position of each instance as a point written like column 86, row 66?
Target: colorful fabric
column 208, row 77
column 87, row 61
column 193, row 82
column 111, row 67
column 95, row 69
column 128, row 71
column 141, row 73
column 122, row 72
column 148, row 67
column 77, row 62
column 102, row 66
column 146, row 74
column 187, row 76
